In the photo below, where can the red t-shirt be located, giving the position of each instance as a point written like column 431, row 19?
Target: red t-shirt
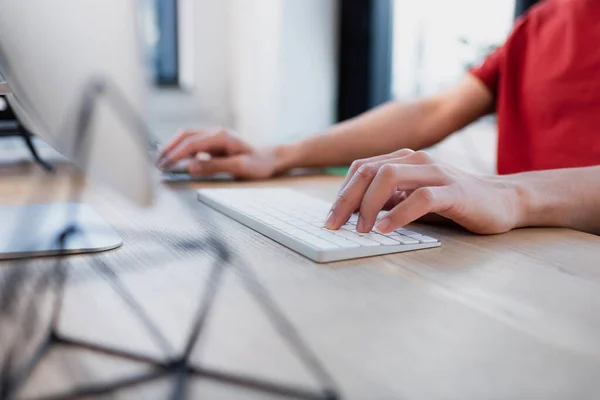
column 546, row 82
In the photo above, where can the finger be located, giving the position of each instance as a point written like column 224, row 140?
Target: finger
column 350, row 197
column 420, row 203
column 360, row 175
column 389, row 179
column 359, row 163
column 199, row 143
column 175, row 142
column 396, row 199
column 405, row 156
column 233, row 165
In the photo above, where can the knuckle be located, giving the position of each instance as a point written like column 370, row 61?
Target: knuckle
column 387, row 171
column 185, row 132
column 188, row 145
column 367, row 171
column 356, row 165
column 365, row 210
column 223, row 138
column 438, row 169
column 426, row 195
column 423, row 157
column 443, row 172
column 181, row 133
column 342, row 199
column 394, row 216
column 404, row 152
column 222, row 131
column 222, row 134
column 191, row 143
column 238, row 164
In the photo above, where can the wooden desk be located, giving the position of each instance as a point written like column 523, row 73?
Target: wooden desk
column 515, row 316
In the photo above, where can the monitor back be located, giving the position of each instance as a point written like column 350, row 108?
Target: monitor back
column 55, row 55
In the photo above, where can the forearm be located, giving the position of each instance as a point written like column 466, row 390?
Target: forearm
column 562, row 198
column 382, row 130
column 392, row 126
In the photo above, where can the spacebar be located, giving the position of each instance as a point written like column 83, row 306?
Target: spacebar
column 355, row 238
column 309, row 239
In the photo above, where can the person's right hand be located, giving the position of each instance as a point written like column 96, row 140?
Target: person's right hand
column 228, row 154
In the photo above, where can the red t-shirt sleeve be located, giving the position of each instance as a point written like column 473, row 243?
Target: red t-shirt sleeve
column 489, row 71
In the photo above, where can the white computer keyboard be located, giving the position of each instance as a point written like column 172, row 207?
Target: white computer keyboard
column 296, row 220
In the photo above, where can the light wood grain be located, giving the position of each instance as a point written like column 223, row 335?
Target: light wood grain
column 514, row 316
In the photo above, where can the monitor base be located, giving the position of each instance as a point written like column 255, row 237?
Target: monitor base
column 34, row 230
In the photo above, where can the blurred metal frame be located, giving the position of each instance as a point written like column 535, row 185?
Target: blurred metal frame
column 365, row 55
column 178, row 365
column 11, row 127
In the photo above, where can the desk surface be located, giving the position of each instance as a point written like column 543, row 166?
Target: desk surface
column 514, row 316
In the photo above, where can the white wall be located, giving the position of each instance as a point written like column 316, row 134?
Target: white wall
column 266, row 68
column 428, row 56
column 257, row 67
column 309, row 80
column 204, row 52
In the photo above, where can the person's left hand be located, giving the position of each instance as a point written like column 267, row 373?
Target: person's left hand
column 413, row 185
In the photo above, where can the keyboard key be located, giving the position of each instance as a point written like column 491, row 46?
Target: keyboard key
column 270, row 220
column 302, row 224
column 282, row 225
column 316, row 242
column 382, row 239
column 298, row 221
column 415, row 235
column 374, row 237
column 403, row 239
column 330, row 237
column 318, row 224
column 427, row 239
column 289, row 218
column 338, row 241
column 277, row 215
column 356, row 239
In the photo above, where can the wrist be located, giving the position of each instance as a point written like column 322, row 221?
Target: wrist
column 287, row 156
column 535, row 205
column 525, row 204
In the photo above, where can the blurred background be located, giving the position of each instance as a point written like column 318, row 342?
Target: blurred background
column 279, row 70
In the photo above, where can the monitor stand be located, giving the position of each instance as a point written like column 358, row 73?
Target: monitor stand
column 34, row 230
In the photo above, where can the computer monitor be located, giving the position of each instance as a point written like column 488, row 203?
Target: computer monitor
column 53, row 54
column 75, row 70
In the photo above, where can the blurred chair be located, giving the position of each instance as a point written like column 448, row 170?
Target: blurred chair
column 11, row 127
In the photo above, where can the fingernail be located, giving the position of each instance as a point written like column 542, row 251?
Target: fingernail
column 383, row 225
column 360, row 225
column 330, row 221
